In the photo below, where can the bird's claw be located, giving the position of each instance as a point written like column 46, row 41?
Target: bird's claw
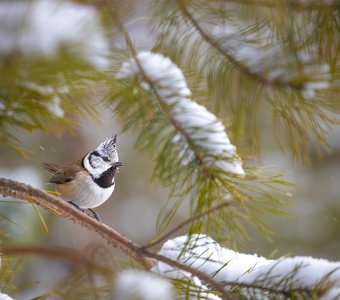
column 96, row 216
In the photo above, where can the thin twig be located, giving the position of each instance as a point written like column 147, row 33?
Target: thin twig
column 55, row 204
column 241, row 67
column 185, row 223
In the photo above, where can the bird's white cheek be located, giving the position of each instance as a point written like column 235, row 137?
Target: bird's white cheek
column 98, row 170
column 86, row 163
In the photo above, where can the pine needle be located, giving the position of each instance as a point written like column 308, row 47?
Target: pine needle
column 56, row 193
column 11, row 221
column 40, row 217
column 48, row 207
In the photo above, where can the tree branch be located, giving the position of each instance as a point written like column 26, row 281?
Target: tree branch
column 136, row 252
column 163, row 106
column 60, row 207
column 224, row 286
column 238, row 65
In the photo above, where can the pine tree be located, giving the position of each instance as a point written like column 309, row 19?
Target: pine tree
column 196, row 100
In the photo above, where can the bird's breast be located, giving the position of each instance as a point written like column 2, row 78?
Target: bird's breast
column 84, row 192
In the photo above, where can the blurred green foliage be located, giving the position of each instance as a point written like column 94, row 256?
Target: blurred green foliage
column 299, row 41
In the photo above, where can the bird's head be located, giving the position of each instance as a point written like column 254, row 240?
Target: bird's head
column 102, row 158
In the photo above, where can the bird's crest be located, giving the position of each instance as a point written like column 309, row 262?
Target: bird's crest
column 108, row 147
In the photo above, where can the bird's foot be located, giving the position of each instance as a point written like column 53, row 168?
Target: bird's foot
column 95, row 215
column 92, row 211
column 76, row 206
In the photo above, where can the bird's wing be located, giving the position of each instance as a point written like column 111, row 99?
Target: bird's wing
column 63, row 174
column 52, row 168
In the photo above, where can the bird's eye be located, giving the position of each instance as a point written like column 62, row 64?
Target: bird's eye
column 106, row 159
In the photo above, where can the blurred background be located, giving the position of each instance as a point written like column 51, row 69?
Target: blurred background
column 311, row 228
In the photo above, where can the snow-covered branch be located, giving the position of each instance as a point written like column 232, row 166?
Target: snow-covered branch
column 257, row 277
column 5, row 297
column 252, row 52
column 194, row 155
column 271, row 62
column 43, row 29
column 50, row 51
column 201, row 135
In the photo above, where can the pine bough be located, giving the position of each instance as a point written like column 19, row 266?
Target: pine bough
column 201, row 131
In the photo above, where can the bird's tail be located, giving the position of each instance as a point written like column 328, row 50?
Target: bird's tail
column 52, row 168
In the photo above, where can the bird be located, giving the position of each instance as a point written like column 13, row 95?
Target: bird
column 90, row 181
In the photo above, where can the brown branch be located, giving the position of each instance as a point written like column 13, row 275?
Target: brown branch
column 60, row 207
column 77, row 258
column 167, row 235
column 70, row 255
column 139, row 254
column 238, row 65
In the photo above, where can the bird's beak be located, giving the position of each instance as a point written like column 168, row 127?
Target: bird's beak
column 118, row 164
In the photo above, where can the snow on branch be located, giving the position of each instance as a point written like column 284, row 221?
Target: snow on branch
column 42, row 28
column 271, row 61
column 202, row 136
column 258, row 277
column 5, row 297
column 50, row 93
column 258, row 52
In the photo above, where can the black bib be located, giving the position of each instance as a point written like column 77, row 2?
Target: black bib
column 106, row 179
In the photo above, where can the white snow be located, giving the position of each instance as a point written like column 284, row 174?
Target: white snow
column 132, row 285
column 270, row 60
column 42, row 28
column 201, row 127
column 54, row 107
column 169, row 77
column 52, row 94
column 5, row 297
column 225, row 265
